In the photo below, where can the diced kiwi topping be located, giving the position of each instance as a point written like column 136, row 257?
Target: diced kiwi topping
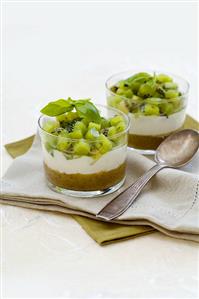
column 79, row 129
column 147, row 94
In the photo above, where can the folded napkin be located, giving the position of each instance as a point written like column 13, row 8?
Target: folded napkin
column 103, row 233
column 169, row 203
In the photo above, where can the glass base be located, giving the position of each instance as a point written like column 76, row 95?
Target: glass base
column 142, row 151
column 86, row 193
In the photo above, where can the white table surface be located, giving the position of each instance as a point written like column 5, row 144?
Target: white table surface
column 56, row 50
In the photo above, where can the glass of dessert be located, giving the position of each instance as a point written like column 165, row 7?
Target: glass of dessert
column 155, row 102
column 84, row 147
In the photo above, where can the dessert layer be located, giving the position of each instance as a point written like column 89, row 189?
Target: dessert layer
column 86, row 182
column 85, row 164
column 144, row 142
column 156, row 125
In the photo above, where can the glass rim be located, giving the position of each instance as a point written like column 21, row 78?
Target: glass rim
column 125, row 116
column 150, row 71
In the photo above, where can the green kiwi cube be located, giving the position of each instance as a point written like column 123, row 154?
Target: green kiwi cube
column 81, row 148
column 94, row 125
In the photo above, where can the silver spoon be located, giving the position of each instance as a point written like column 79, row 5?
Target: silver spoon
column 174, row 152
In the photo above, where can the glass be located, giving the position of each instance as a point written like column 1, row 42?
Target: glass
column 148, row 131
column 88, row 175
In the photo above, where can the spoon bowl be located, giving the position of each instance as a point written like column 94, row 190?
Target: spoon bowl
column 178, row 149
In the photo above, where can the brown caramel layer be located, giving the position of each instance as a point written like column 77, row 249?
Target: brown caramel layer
column 86, row 182
column 145, row 142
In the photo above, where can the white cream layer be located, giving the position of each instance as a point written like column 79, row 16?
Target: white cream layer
column 85, row 164
column 156, row 125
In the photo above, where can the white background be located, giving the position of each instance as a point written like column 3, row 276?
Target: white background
column 56, row 50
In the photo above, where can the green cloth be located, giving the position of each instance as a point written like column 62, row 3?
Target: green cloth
column 18, row 148
column 103, row 233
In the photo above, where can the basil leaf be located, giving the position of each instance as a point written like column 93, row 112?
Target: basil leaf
column 139, row 76
column 84, row 108
column 58, row 107
column 82, row 101
column 87, row 110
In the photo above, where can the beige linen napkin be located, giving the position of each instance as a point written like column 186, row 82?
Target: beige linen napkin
column 103, row 233
column 169, row 203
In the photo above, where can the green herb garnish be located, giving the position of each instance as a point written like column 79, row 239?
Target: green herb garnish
column 58, row 107
column 83, row 107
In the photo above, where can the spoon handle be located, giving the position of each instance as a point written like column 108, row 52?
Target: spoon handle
column 124, row 200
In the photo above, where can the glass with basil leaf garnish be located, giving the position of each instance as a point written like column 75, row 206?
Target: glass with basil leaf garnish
column 155, row 103
column 84, row 147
